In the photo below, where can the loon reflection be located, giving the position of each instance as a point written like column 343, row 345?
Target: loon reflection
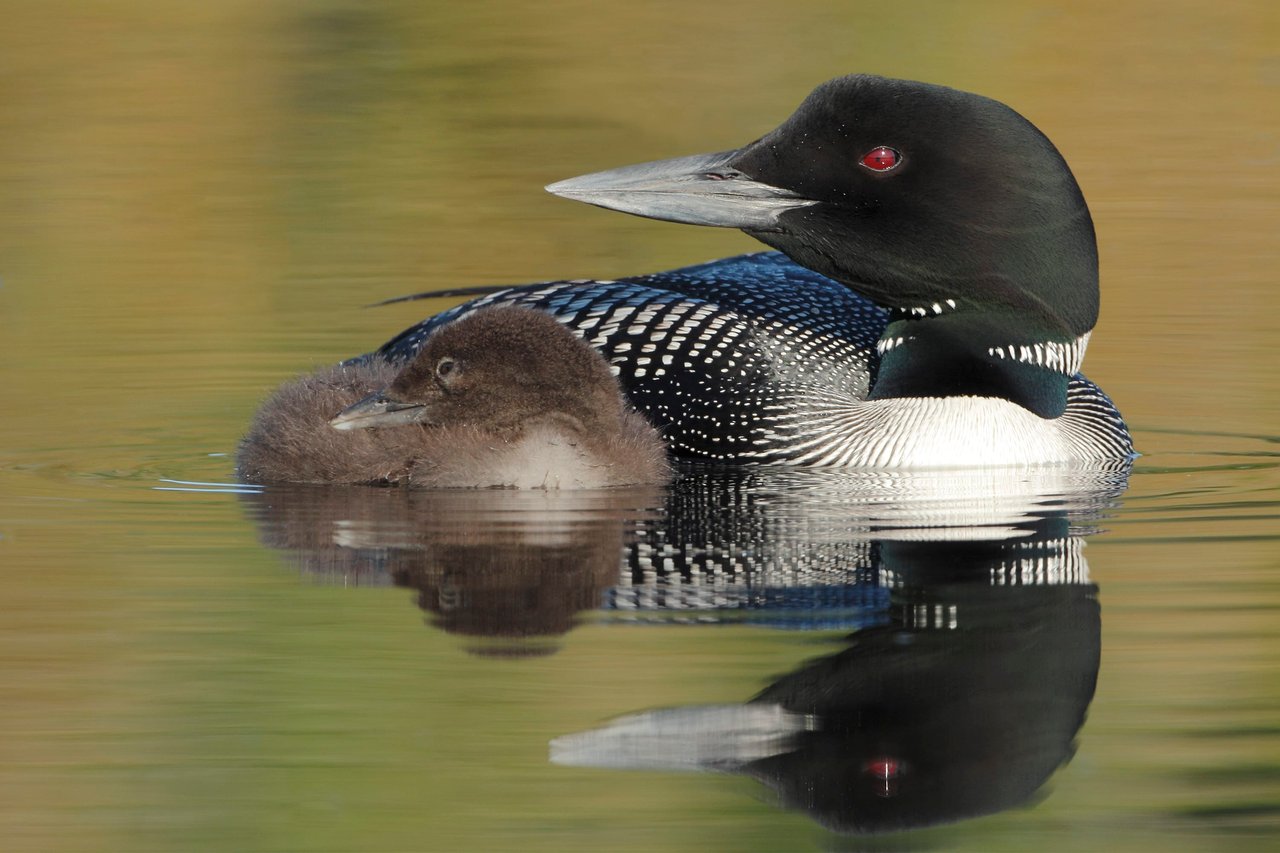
column 962, row 703
column 774, row 546
column 975, row 628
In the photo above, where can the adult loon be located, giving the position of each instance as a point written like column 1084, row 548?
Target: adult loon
column 936, row 290
column 504, row 397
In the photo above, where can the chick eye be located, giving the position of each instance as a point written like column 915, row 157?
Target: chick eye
column 444, row 367
column 882, row 158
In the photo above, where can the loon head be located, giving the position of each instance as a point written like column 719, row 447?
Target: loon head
column 497, row 369
column 947, row 208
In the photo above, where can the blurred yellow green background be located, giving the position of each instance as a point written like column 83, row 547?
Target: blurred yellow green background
column 197, row 199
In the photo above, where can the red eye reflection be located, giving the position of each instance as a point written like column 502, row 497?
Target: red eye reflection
column 886, row 771
column 882, row 158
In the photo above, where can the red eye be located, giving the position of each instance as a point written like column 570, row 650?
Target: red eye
column 882, row 158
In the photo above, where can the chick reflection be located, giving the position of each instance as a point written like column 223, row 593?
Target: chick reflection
column 497, row 585
column 963, row 704
column 510, row 569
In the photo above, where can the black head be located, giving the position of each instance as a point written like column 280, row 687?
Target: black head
column 926, row 194
column 495, row 369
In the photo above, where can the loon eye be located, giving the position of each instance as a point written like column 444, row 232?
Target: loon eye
column 444, row 367
column 882, row 158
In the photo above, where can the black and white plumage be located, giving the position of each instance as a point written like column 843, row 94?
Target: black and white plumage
column 755, row 358
column 936, row 291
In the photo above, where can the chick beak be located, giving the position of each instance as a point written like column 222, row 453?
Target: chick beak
column 377, row 411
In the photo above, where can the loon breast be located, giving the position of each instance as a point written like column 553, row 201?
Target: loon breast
column 956, row 432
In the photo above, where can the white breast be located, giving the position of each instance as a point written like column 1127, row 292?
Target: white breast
column 934, row 432
column 954, row 432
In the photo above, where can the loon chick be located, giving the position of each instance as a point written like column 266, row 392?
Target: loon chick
column 502, row 397
column 938, row 290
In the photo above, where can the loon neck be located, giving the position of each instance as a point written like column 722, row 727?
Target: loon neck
column 953, row 353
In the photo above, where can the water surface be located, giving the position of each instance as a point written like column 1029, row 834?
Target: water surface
column 197, row 202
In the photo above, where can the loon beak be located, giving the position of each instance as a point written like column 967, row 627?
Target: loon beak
column 378, row 410
column 703, row 189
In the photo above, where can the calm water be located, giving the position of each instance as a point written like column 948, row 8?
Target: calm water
column 198, row 200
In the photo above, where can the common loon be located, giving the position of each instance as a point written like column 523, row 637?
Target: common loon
column 931, row 305
column 505, row 397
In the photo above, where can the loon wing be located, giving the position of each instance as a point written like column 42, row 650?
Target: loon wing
column 717, row 355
